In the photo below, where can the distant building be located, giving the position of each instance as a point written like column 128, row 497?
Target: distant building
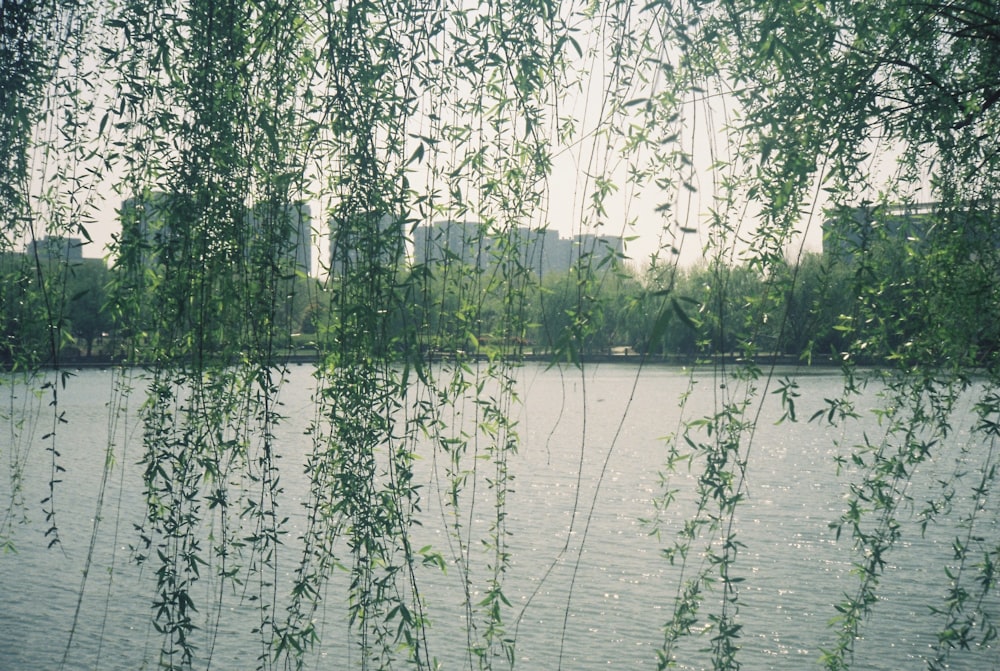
column 146, row 229
column 541, row 251
column 450, row 241
column 364, row 240
column 56, row 248
column 292, row 225
column 156, row 225
column 850, row 230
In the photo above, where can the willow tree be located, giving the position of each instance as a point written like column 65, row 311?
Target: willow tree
column 740, row 121
column 873, row 118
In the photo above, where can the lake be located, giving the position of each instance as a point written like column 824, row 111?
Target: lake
column 587, row 586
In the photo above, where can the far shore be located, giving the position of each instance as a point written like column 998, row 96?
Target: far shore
column 630, row 358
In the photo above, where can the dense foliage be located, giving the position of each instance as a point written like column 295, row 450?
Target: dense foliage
column 737, row 123
column 621, row 310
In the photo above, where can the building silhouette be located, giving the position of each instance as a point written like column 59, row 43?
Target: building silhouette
column 850, row 231
column 291, row 228
column 158, row 230
column 541, row 251
column 362, row 242
column 56, row 248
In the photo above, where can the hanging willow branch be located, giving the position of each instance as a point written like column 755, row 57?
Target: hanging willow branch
column 234, row 132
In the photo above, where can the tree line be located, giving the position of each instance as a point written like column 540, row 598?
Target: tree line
column 470, row 111
column 874, row 305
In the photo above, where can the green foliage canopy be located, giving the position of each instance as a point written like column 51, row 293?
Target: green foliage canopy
column 410, row 111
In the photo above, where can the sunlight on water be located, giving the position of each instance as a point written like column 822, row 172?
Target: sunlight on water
column 617, row 589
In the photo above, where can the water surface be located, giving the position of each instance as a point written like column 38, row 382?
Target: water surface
column 587, row 585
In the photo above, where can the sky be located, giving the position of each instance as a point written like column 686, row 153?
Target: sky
column 569, row 187
column 563, row 188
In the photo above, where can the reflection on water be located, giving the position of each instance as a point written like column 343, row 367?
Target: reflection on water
column 577, row 548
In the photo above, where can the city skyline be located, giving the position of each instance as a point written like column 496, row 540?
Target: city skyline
column 543, row 250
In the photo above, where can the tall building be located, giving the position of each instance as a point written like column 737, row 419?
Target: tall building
column 361, row 241
column 146, row 230
column 450, row 241
column 56, row 248
column 156, row 225
column 540, row 250
column 850, row 230
column 292, row 225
